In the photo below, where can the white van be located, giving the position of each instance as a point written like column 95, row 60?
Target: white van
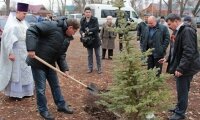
column 76, row 16
column 101, row 11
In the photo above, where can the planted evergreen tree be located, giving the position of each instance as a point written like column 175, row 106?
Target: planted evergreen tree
column 135, row 91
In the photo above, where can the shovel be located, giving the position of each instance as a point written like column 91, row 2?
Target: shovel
column 90, row 87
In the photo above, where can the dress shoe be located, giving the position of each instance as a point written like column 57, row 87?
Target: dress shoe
column 47, row 116
column 66, row 110
column 89, row 71
column 173, row 109
column 176, row 116
column 109, row 58
column 99, row 71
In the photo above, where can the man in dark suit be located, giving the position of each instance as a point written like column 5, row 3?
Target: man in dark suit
column 183, row 61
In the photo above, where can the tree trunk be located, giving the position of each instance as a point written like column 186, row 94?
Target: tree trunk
column 160, row 8
column 59, row 9
column 169, row 6
column 182, row 6
column 51, row 4
column 84, row 3
column 196, row 9
column 64, row 7
column 92, row 1
column 7, row 2
column 133, row 4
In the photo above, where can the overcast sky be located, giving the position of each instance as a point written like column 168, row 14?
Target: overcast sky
column 35, row 2
column 46, row 2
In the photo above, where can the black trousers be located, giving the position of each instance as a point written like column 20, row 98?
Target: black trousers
column 182, row 87
column 120, row 42
column 120, row 46
column 110, row 53
column 153, row 62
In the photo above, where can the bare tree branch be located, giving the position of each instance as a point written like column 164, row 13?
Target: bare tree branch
column 81, row 4
column 196, row 9
column 61, row 6
column 7, row 6
column 160, row 7
column 182, row 4
column 165, row 2
column 169, row 6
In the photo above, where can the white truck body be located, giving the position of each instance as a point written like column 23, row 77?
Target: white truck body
column 101, row 11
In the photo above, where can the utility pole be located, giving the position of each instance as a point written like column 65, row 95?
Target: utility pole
column 160, row 7
column 152, row 7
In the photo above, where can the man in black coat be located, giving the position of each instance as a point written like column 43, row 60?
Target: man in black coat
column 156, row 37
column 90, row 27
column 49, row 40
column 141, row 29
column 183, row 61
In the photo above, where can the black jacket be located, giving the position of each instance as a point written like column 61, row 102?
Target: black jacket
column 185, row 57
column 49, row 41
column 93, row 26
column 141, row 29
column 160, row 40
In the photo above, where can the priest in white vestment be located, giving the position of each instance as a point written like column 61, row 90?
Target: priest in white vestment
column 16, row 78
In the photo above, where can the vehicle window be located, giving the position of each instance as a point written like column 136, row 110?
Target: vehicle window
column 2, row 23
column 105, row 13
column 71, row 16
column 113, row 13
column 31, row 19
column 198, row 19
column 134, row 15
column 78, row 16
column 128, row 14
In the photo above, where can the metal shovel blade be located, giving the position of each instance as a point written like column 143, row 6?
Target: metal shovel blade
column 93, row 88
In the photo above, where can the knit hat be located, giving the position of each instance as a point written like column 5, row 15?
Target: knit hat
column 187, row 18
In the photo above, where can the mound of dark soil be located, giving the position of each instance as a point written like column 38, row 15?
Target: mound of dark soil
column 98, row 112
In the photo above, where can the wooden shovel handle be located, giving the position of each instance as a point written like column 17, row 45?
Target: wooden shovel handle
column 57, row 70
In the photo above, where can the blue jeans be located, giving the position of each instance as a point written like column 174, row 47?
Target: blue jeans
column 40, row 76
column 183, row 87
column 90, row 58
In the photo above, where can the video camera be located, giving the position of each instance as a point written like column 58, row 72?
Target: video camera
column 88, row 38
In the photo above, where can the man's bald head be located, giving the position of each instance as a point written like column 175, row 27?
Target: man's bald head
column 152, row 21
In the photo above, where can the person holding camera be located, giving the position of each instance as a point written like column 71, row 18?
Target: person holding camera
column 49, row 40
column 108, row 38
column 90, row 38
